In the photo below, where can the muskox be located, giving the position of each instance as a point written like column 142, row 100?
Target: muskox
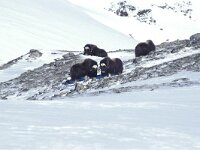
column 87, row 68
column 90, row 67
column 111, row 66
column 88, row 49
column 144, row 48
column 93, row 50
column 77, row 71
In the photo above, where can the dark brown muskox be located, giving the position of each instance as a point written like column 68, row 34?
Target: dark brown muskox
column 111, row 66
column 77, row 71
column 144, row 48
column 93, row 50
column 88, row 49
column 91, row 67
column 87, row 68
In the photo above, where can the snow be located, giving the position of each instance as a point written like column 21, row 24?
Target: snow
column 166, row 118
column 51, row 24
column 170, row 57
column 27, row 64
column 189, row 75
column 47, row 57
column 174, row 25
column 160, row 119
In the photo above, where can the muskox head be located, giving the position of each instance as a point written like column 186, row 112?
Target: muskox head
column 105, row 66
column 151, row 45
column 90, row 67
column 87, row 68
column 93, row 50
column 88, row 49
column 93, row 71
column 111, row 66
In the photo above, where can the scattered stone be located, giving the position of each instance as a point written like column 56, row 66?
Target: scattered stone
column 47, row 79
column 34, row 53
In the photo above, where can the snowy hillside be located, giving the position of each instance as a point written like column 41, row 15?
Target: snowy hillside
column 153, row 105
column 159, row 20
column 49, row 25
column 46, row 82
column 69, row 25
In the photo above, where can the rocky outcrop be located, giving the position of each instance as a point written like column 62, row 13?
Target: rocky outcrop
column 32, row 54
column 179, row 7
column 46, row 81
column 126, row 9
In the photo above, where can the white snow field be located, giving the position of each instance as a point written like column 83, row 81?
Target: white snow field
column 174, row 25
column 52, row 24
column 165, row 119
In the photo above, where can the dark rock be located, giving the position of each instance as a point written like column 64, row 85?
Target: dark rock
column 195, row 38
column 34, row 53
column 124, row 9
column 143, row 12
column 47, row 79
column 70, row 54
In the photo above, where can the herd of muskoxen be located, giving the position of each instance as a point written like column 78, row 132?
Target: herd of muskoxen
column 107, row 66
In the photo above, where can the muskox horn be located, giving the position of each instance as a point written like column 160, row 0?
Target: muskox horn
column 94, row 66
column 103, row 64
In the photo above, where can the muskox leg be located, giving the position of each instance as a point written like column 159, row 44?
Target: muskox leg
column 75, row 85
column 135, row 61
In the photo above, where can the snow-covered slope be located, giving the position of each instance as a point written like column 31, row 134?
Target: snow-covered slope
column 52, row 24
column 28, row 62
column 164, row 19
column 46, row 82
column 165, row 119
column 152, row 105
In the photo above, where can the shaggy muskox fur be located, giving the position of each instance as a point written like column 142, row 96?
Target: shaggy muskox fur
column 111, row 66
column 90, row 67
column 93, row 50
column 88, row 49
column 87, row 68
column 77, row 71
column 144, row 48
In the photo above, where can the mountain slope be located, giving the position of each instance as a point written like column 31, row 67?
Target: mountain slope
column 169, row 59
column 153, row 104
column 159, row 20
column 52, row 24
